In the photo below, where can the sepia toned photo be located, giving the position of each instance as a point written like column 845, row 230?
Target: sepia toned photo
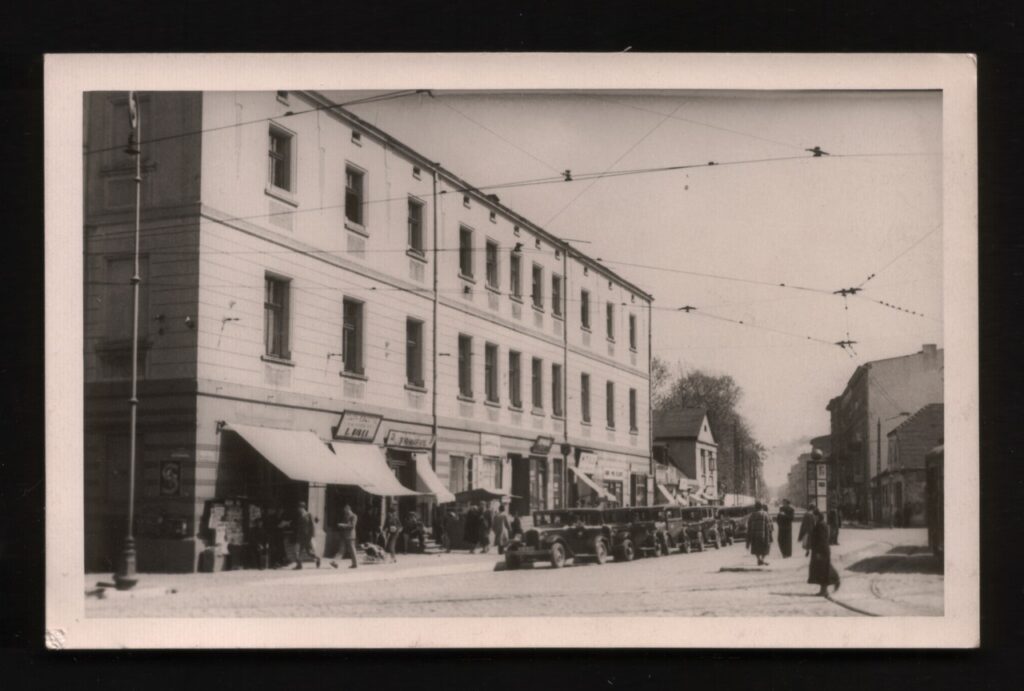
column 461, row 357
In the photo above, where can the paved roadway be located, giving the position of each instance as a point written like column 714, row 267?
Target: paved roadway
column 882, row 574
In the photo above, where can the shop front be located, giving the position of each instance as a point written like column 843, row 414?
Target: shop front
column 537, row 474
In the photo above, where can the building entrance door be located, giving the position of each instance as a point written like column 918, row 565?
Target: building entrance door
column 520, row 484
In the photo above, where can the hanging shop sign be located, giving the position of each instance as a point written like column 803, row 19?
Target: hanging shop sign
column 542, row 445
column 490, row 444
column 357, row 426
column 614, row 474
column 588, row 462
column 409, row 440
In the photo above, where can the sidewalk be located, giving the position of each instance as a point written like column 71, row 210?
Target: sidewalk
column 408, row 566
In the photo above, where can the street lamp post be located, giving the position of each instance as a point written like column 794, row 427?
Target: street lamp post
column 126, row 578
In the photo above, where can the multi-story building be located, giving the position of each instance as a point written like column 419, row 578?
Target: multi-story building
column 327, row 315
column 690, row 446
column 902, row 483
column 878, row 396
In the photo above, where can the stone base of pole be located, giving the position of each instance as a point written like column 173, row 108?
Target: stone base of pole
column 126, row 578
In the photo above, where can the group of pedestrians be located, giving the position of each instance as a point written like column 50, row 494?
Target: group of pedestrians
column 816, row 537
column 484, row 527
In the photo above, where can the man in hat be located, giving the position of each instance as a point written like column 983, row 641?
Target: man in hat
column 785, row 521
column 304, row 535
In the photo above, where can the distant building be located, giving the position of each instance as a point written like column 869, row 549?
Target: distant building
column 877, row 398
column 901, row 485
column 689, row 446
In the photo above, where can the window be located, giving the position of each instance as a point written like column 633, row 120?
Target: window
column 632, row 410
column 465, row 200
column 488, row 473
column 465, row 366
column 538, row 384
column 538, row 286
column 416, row 172
column 632, row 332
column 585, row 396
column 556, row 390
column 457, row 473
column 610, row 320
column 275, row 317
column 354, row 191
column 585, row 308
column 609, row 403
column 491, row 258
column 352, row 336
column 466, row 252
column 416, row 226
column 516, row 274
column 515, row 396
column 491, row 372
column 357, row 138
column 414, row 352
column 556, row 295
column 281, row 158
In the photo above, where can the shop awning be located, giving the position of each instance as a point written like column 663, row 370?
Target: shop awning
column 368, row 460
column 668, row 494
column 585, row 479
column 298, row 454
column 482, row 494
column 429, row 482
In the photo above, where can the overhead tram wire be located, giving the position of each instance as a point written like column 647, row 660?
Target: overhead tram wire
column 614, row 163
column 740, row 322
column 191, row 133
column 901, row 254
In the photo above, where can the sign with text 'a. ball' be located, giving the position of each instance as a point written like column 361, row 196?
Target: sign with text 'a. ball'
column 357, row 426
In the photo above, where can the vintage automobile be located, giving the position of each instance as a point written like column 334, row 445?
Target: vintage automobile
column 638, row 530
column 562, row 534
column 735, row 518
column 693, row 527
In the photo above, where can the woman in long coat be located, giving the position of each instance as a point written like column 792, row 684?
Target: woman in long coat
column 820, row 571
column 806, row 524
column 759, row 534
column 471, row 529
column 785, row 521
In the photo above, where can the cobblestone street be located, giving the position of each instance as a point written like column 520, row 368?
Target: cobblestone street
column 885, row 572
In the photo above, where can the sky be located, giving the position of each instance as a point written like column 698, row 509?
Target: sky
column 723, row 238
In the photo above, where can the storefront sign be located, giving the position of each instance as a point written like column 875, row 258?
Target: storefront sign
column 588, row 462
column 614, row 474
column 357, row 426
column 170, row 478
column 490, row 444
column 409, row 440
column 542, row 445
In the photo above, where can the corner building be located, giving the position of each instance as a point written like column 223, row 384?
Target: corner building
column 306, row 276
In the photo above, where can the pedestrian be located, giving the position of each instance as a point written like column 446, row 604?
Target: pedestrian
column 471, row 530
column 275, row 524
column 451, row 528
column 348, row 536
column 759, row 533
column 392, row 529
column 804, row 535
column 414, row 531
column 785, row 521
column 820, row 571
column 484, row 529
column 304, row 530
column 517, row 525
column 502, row 529
column 835, row 520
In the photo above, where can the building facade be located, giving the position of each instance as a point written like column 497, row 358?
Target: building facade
column 902, row 486
column 877, row 398
column 691, row 448
column 305, row 272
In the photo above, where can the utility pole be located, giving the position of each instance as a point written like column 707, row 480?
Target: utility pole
column 126, row 577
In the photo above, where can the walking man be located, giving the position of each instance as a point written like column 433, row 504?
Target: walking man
column 392, row 529
column 304, row 535
column 759, row 533
column 805, row 530
column 348, row 536
column 820, row 571
column 502, row 528
column 484, row 534
column 785, row 521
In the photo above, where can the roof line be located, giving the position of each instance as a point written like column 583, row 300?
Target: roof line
column 347, row 115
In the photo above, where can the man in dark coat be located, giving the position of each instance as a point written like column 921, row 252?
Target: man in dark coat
column 785, row 521
column 820, row 571
column 805, row 528
column 304, row 535
column 835, row 520
column 759, row 533
column 471, row 530
column 484, row 531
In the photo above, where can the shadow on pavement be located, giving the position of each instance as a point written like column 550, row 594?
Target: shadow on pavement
column 902, row 559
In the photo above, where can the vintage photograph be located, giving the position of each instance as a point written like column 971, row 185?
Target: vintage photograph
column 513, row 354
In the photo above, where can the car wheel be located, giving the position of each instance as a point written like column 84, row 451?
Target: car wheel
column 626, row 551
column 557, row 555
column 600, row 551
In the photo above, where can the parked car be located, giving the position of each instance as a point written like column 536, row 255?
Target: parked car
column 708, row 520
column 682, row 530
column 736, row 516
column 562, row 534
column 638, row 530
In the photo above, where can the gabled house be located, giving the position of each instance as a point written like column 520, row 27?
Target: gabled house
column 690, row 446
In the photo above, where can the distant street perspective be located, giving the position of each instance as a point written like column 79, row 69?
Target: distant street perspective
column 884, row 573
